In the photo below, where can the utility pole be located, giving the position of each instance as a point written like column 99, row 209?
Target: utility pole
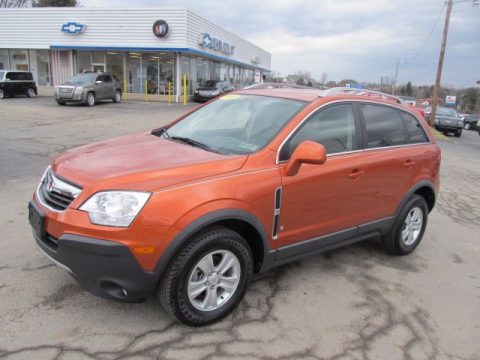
column 436, row 89
column 394, row 83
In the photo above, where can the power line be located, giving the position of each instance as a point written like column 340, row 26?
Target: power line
column 409, row 62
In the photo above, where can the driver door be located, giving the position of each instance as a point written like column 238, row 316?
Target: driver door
column 323, row 199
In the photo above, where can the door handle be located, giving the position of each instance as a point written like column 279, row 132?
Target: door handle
column 409, row 163
column 355, row 174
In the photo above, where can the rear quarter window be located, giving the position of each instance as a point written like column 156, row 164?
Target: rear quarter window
column 384, row 126
column 415, row 131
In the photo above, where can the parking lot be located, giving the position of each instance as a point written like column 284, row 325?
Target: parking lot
column 353, row 303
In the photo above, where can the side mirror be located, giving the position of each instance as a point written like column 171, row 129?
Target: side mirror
column 307, row 152
column 98, row 82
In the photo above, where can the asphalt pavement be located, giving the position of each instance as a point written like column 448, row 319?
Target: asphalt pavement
column 354, row 303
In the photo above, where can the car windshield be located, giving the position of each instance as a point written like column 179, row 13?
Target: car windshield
column 446, row 112
column 2, row 74
column 211, row 83
column 82, row 78
column 236, row 124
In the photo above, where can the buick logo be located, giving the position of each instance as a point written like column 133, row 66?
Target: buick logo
column 160, row 28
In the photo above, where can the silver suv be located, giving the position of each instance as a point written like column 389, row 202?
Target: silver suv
column 88, row 88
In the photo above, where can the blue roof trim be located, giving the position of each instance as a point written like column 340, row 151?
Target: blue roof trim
column 173, row 49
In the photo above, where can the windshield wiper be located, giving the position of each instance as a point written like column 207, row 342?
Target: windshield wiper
column 192, row 142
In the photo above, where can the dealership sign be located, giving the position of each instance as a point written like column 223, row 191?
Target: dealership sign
column 160, row 28
column 450, row 100
column 73, row 28
column 210, row 42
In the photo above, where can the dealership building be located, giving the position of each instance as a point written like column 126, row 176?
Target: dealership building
column 151, row 50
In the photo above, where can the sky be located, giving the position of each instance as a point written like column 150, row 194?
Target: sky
column 349, row 39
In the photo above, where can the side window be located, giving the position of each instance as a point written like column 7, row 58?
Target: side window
column 333, row 127
column 99, row 78
column 414, row 129
column 384, row 126
column 27, row 76
column 12, row 76
column 107, row 78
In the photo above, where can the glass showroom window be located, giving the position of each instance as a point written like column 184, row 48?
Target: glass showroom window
column 39, row 66
column 4, row 62
column 185, row 70
column 202, row 71
column 135, row 72
column 19, row 60
column 224, row 72
column 166, row 68
column 150, row 71
column 98, row 61
column 115, row 64
column 84, row 61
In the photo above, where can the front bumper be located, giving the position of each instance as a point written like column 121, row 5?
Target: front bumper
column 199, row 97
column 447, row 128
column 105, row 268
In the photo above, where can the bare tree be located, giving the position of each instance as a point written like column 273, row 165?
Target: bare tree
column 14, row 3
column 323, row 78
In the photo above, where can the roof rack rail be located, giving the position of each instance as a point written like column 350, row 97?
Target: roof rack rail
column 360, row 92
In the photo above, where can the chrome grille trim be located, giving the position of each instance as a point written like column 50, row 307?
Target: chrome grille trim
column 54, row 193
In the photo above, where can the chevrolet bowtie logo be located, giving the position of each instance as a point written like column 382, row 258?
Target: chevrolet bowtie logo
column 73, row 28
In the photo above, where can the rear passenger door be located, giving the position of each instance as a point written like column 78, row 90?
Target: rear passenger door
column 391, row 158
column 109, row 86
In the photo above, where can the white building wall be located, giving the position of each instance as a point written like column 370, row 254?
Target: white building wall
column 39, row 28
column 244, row 51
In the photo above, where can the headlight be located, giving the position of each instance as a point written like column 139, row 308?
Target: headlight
column 216, row 92
column 56, row 91
column 115, row 208
column 78, row 90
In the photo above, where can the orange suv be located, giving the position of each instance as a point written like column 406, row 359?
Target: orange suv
column 251, row 180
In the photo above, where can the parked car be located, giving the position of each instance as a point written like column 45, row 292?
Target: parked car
column 191, row 210
column 88, row 88
column 470, row 122
column 17, row 83
column 211, row 89
column 447, row 120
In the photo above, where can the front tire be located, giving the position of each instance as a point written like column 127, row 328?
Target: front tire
column 408, row 227
column 207, row 279
column 458, row 133
column 90, row 99
column 2, row 94
column 466, row 126
column 61, row 103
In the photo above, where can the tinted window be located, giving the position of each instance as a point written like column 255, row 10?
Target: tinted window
column 107, row 78
column 384, row 126
column 99, row 78
column 12, row 76
column 24, row 76
column 414, row 129
column 333, row 127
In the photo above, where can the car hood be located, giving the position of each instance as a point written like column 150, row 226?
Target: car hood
column 446, row 117
column 140, row 162
column 207, row 88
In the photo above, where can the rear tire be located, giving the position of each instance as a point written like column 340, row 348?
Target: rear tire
column 117, row 97
column 207, row 278
column 2, row 94
column 90, row 99
column 31, row 92
column 408, row 227
column 458, row 133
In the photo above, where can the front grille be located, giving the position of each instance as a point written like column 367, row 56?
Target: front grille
column 55, row 193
